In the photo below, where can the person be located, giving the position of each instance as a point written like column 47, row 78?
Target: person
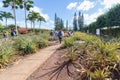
column 4, row 35
column 69, row 33
column 60, row 36
column 56, row 34
column 12, row 32
column 51, row 35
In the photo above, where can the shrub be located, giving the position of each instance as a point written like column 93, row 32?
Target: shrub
column 68, row 42
column 6, row 51
column 42, row 43
column 25, row 45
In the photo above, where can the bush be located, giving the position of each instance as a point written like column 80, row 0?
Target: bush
column 42, row 43
column 25, row 45
column 6, row 51
column 68, row 42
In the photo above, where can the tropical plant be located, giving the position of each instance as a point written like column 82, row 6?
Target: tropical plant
column 25, row 46
column 42, row 43
column 32, row 16
column 68, row 42
column 14, row 5
column 39, row 19
column 6, row 52
column 27, row 5
column 6, row 15
column 92, row 60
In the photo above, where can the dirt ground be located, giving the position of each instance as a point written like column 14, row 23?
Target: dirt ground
column 57, row 56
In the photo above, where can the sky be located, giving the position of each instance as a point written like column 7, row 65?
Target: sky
column 64, row 9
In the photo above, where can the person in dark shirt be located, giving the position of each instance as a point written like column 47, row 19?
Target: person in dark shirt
column 60, row 36
column 4, row 35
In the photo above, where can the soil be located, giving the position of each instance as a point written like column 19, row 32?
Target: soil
column 57, row 56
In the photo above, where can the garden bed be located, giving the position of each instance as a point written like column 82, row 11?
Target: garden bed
column 51, row 62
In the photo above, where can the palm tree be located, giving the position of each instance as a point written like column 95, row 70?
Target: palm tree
column 32, row 16
column 1, row 19
column 39, row 19
column 27, row 6
column 14, row 5
column 5, row 15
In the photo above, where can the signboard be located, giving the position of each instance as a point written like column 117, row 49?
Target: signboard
column 97, row 31
column 87, row 31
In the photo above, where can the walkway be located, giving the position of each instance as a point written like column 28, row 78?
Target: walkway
column 27, row 66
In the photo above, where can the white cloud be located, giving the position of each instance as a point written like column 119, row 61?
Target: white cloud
column 109, row 3
column 72, row 5
column 86, row 5
column 49, row 24
column 1, row 4
column 91, row 18
column 39, row 10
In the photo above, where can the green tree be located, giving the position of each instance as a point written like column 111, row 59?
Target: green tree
column 40, row 19
column 59, row 23
column 33, row 16
column 75, row 28
column 27, row 5
column 80, row 21
column 5, row 15
column 14, row 5
column 113, row 16
column 101, row 21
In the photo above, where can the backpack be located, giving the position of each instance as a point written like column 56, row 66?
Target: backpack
column 59, row 34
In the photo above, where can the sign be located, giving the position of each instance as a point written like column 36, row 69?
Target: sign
column 97, row 31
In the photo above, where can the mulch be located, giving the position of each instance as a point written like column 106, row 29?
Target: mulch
column 56, row 57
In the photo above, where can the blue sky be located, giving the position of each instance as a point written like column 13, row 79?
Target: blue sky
column 64, row 9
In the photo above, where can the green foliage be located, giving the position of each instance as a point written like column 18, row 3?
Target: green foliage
column 80, row 21
column 6, row 51
column 93, row 59
column 1, row 26
column 42, row 43
column 25, row 46
column 59, row 24
column 75, row 28
column 68, row 42
column 99, row 75
column 12, row 26
column 108, row 20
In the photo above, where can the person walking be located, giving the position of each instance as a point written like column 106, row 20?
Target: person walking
column 60, row 36
column 5, row 35
column 51, row 35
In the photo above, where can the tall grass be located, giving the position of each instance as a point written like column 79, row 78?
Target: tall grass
column 22, row 44
column 6, row 51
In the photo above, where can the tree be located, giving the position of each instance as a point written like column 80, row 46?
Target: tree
column 5, row 15
column 113, row 16
column 14, row 5
column 27, row 5
column 1, row 18
column 40, row 19
column 101, row 21
column 33, row 16
column 59, row 23
column 75, row 28
column 80, row 21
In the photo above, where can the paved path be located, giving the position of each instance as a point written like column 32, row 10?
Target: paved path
column 27, row 66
